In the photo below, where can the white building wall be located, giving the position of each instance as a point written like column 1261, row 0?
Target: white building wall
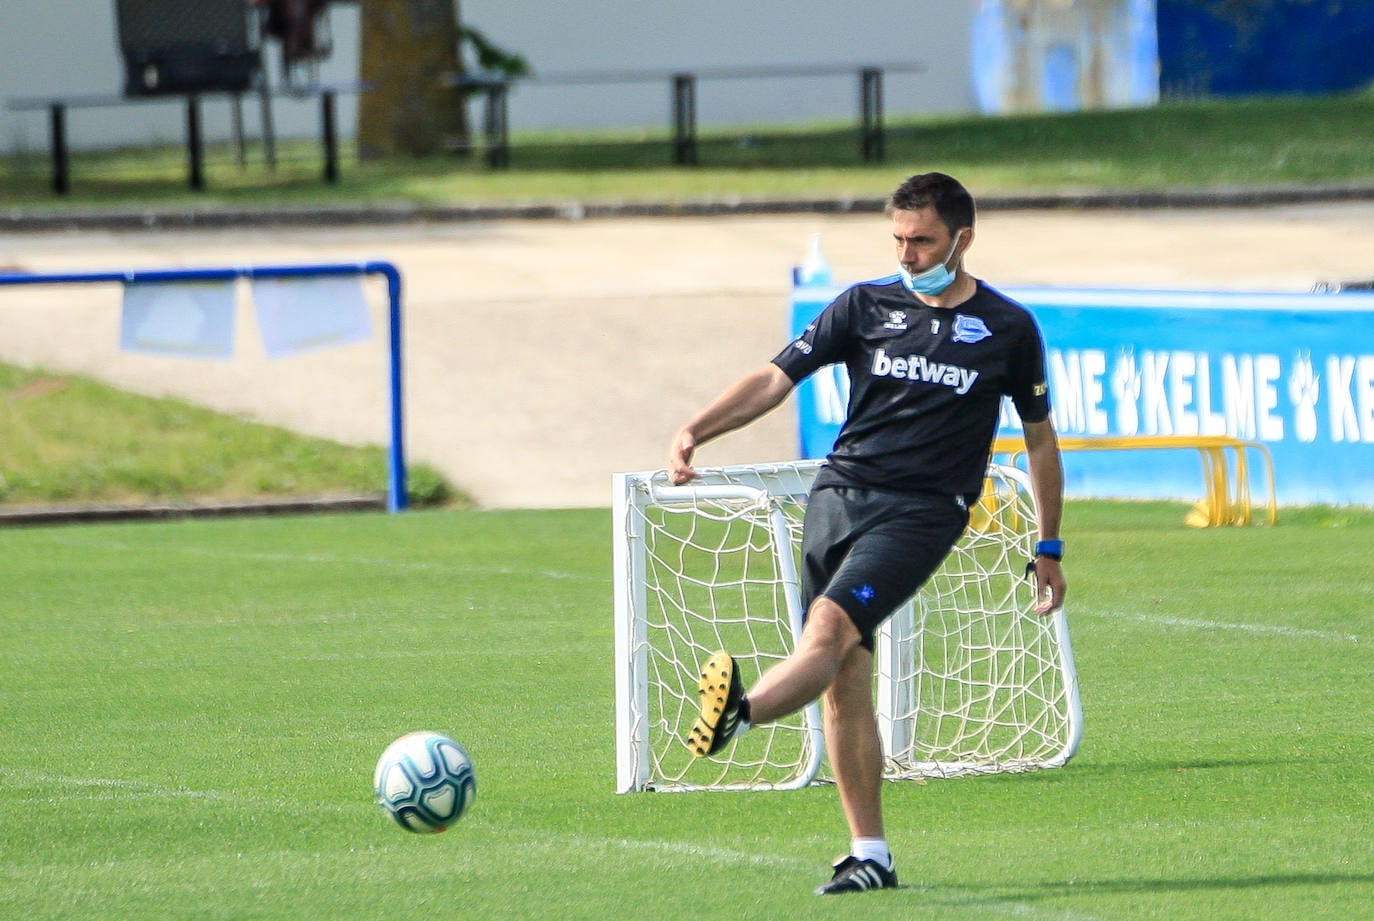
column 638, row 36
column 69, row 47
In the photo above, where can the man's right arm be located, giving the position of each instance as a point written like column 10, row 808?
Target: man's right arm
column 741, row 403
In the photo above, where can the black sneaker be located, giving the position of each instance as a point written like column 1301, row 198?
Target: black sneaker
column 855, row 875
column 721, row 693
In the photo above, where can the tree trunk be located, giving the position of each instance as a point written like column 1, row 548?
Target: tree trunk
column 409, row 58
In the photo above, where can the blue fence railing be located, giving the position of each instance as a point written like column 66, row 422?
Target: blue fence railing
column 396, row 465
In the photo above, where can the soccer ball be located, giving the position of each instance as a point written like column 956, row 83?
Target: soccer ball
column 425, row 781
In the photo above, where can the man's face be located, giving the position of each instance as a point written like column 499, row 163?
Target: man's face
column 923, row 241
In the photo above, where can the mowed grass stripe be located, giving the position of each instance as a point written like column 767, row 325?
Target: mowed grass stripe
column 1190, row 623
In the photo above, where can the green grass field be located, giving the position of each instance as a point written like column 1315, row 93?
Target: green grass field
column 193, row 709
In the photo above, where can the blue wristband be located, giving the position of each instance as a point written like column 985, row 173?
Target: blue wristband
column 1054, row 549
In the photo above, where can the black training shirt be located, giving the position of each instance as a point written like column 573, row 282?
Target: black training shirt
column 926, row 384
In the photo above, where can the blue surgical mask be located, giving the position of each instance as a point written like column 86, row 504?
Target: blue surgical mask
column 934, row 279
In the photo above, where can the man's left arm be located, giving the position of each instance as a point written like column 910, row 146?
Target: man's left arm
column 1047, row 486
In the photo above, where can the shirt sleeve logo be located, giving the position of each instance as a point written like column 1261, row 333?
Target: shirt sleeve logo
column 969, row 329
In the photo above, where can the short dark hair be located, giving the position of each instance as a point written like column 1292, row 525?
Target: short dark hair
column 951, row 200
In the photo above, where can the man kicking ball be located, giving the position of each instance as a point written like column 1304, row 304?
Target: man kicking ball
column 930, row 352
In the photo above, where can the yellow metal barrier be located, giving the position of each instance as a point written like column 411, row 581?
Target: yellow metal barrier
column 1225, row 470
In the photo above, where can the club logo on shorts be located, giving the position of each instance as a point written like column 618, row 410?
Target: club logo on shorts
column 865, row 593
column 970, row 329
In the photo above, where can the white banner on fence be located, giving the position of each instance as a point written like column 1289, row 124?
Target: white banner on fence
column 297, row 315
column 183, row 318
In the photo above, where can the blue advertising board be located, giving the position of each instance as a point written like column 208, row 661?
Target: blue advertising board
column 1294, row 372
column 1278, row 46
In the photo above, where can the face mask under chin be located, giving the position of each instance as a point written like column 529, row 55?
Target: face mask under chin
column 934, row 279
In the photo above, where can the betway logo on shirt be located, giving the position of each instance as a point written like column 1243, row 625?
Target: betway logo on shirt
column 919, row 368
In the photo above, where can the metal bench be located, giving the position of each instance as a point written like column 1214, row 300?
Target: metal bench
column 683, row 94
column 58, row 107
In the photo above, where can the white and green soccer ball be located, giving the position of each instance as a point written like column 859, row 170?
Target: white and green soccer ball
column 425, row 781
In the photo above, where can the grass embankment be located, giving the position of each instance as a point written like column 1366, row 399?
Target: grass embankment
column 69, row 440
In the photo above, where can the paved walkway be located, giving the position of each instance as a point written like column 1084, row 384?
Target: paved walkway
column 543, row 355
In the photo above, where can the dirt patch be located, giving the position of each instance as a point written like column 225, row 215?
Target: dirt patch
column 41, row 387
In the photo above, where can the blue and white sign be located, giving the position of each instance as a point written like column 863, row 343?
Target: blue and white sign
column 1294, row 372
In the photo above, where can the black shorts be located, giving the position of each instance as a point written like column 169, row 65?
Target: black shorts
column 869, row 551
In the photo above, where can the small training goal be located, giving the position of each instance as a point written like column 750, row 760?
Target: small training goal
column 968, row 678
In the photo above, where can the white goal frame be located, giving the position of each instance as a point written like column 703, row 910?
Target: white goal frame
column 739, row 564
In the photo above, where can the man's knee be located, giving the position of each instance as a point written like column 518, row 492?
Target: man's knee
column 829, row 625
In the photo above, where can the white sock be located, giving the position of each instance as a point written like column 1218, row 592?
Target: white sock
column 874, row 849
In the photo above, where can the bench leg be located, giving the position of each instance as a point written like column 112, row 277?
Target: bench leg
column 57, row 135
column 269, row 130
column 684, row 107
column 871, row 114
column 329, row 137
column 496, row 127
column 195, row 149
column 236, row 120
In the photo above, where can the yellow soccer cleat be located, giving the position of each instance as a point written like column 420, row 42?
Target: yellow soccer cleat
column 721, row 692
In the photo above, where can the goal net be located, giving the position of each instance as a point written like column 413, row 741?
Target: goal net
column 968, row 678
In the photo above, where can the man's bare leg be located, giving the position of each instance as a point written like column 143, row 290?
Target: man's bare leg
column 827, row 639
column 853, row 746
